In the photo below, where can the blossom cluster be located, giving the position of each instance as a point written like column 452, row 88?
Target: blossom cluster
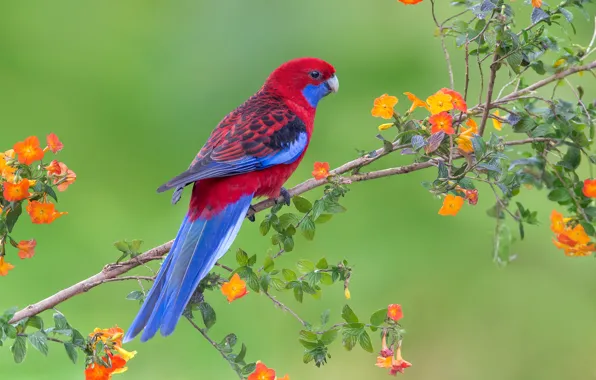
column 390, row 356
column 107, row 355
column 27, row 182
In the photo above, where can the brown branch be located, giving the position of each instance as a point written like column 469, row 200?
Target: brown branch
column 494, row 67
column 112, row 272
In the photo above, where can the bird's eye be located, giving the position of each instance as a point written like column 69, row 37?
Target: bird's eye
column 315, row 74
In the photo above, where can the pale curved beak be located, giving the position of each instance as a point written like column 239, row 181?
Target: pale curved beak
column 333, row 83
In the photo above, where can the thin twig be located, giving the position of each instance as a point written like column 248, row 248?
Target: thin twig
column 284, row 307
column 491, row 86
column 445, row 51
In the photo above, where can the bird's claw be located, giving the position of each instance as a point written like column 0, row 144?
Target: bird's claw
column 250, row 215
column 286, row 196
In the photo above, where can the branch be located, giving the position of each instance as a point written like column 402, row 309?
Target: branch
column 111, row 272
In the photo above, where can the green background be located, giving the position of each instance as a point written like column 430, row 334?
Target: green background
column 133, row 89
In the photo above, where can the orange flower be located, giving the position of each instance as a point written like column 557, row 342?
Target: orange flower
column 409, row 2
column 262, row 373
column 496, row 122
column 28, row 151
column 113, row 334
column 457, row 100
column 26, row 248
column 384, row 362
column 234, row 289
column 442, row 122
column 451, row 205
column 398, row 364
column 415, row 102
column 286, row 377
column 4, row 266
column 321, row 170
column 98, row 372
column 464, row 140
column 54, row 143
column 589, row 188
column 17, row 191
column 54, row 168
column 439, row 102
column 395, row 312
column 43, row 213
column 67, row 177
column 558, row 224
column 383, row 106
column 536, row 3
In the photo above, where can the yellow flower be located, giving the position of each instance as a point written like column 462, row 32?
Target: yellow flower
column 386, row 126
column 439, row 102
column 496, row 122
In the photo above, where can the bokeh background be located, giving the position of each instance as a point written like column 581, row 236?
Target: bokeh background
column 133, row 88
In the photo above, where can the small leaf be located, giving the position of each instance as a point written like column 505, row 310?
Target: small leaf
column 322, row 264
column 122, row 246
column 538, row 15
column 19, row 349
column 325, row 317
column 71, row 351
column 378, row 317
column 39, row 341
column 268, row 265
column 323, row 218
column 208, row 314
column 434, row 141
column 308, row 228
column 289, row 274
column 348, row 315
column 365, row 342
column 135, row 295
column 60, row 321
column 479, row 146
column 302, row 204
column 329, row 336
column 241, row 257
column 417, row 142
column 305, row 266
column 559, row 194
column 308, row 335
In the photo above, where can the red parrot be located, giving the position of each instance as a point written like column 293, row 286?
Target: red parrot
column 251, row 153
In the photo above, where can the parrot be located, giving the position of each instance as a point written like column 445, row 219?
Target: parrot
column 251, row 153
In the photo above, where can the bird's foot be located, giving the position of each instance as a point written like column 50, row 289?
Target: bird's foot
column 177, row 194
column 250, row 215
column 286, row 196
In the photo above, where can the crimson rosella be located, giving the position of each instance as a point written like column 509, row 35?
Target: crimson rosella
column 251, row 153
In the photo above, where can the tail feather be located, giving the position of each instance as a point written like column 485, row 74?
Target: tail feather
column 198, row 245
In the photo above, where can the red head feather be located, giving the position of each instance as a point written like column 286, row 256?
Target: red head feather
column 290, row 79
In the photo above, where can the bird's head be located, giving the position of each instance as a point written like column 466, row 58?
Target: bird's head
column 306, row 80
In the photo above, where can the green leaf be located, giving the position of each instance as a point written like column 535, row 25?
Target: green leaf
column 252, row 260
column 241, row 355
column 13, row 215
column 308, row 335
column 365, row 342
column 122, row 246
column 560, row 194
column 269, row 264
column 10, row 331
column 322, row 264
column 302, row 204
column 71, row 351
column 289, row 274
column 60, row 321
column 323, row 218
column 249, row 368
column 308, row 228
column 208, row 314
column 378, row 317
column 19, row 349
column 252, row 280
column 326, row 279
column 50, row 191
column 39, row 341
column 298, row 293
column 287, row 220
column 348, row 315
column 305, row 266
column 36, row 322
column 265, row 226
column 329, row 336
column 479, row 146
column 135, row 295
column 572, row 158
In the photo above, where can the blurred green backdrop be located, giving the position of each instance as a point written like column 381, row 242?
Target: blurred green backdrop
column 133, row 88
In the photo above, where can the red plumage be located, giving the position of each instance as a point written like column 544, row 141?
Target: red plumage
column 250, row 130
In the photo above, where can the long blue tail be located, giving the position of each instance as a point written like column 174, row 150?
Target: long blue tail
column 198, row 245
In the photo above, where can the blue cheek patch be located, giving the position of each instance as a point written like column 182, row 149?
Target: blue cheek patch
column 313, row 93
